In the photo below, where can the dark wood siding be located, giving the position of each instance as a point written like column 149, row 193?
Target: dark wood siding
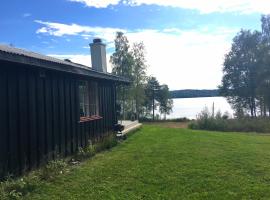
column 40, row 118
column 3, row 122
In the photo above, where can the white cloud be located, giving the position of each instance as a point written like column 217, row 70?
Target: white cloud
column 209, row 6
column 180, row 58
column 27, row 15
column 188, row 59
column 98, row 3
column 84, row 59
column 203, row 6
column 58, row 29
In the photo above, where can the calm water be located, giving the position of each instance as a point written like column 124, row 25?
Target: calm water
column 192, row 106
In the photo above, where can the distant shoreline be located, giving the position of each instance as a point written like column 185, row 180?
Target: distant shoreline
column 191, row 93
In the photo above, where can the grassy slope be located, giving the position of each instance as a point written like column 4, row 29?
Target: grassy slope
column 163, row 163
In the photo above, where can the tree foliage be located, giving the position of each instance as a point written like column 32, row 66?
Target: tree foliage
column 246, row 72
column 137, row 99
column 122, row 59
column 139, row 76
column 165, row 102
column 122, row 62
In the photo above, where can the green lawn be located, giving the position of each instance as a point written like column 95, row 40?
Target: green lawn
column 163, row 163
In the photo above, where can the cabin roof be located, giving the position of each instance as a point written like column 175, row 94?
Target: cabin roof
column 16, row 55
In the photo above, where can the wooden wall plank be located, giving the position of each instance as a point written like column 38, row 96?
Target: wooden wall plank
column 56, row 124
column 14, row 158
column 49, row 117
column 33, row 146
column 77, row 116
column 115, row 117
column 81, row 135
column 62, row 116
column 103, row 110
column 23, row 119
column 73, row 115
column 97, row 131
column 41, row 117
column 104, row 102
column 67, row 115
column 109, row 107
column 4, row 121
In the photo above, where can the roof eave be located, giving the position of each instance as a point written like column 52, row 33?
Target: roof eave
column 69, row 68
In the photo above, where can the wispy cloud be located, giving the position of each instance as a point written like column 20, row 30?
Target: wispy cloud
column 191, row 59
column 27, row 15
column 58, row 29
column 98, row 3
column 203, row 6
column 210, row 6
column 182, row 55
column 83, row 59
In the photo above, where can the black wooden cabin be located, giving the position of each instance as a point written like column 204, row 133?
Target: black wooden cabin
column 50, row 107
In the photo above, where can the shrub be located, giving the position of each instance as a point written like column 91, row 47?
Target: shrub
column 87, row 152
column 91, row 149
column 52, row 169
column 221, row 122
column 17, row 188
column 106, row 143
column 184, row 119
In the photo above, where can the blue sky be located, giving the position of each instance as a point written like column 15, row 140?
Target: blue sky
column 185, row 39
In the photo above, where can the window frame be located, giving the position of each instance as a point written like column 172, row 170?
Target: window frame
column 88, row 100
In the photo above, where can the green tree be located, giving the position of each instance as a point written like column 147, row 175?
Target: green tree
column 122, row 63
column 144, row 94
column 240, row 72
column 263, row 77
column 165, row 102
column 138, row 76
column 151, row 96
column 130, row 63
column 121, row 59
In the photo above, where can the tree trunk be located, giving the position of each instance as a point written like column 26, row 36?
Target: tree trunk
column 153, row 105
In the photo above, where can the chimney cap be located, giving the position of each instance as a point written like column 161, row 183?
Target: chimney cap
column 97, row 40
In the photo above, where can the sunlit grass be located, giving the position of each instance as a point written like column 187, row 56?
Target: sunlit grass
column 166, row 163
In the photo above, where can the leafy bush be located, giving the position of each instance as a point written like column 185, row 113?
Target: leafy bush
column 91, row 149
column 219, row 122
column 52, row 169
column 106, row 143
column 87, row 152
column 17, row 188
column 13, row 188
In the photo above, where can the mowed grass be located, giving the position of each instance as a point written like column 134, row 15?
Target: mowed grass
column 166, row 163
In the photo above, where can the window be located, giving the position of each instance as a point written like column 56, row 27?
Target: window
column 93, row 103
column 88, row 98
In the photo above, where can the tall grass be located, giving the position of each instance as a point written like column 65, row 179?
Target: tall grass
column 184, row 119
column 206, row 121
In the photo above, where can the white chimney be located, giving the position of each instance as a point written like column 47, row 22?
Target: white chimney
column 98, row 55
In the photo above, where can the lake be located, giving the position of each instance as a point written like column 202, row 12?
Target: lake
column 190, row 107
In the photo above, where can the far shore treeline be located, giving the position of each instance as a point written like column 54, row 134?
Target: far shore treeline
column 193, row 93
